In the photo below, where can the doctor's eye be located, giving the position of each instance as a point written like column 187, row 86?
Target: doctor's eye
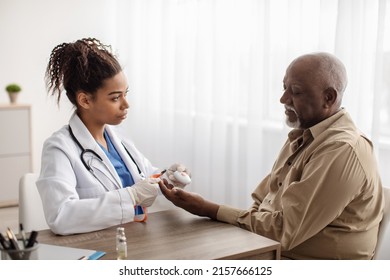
column 115, row 98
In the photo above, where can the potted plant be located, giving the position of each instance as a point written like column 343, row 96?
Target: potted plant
column 13, row 90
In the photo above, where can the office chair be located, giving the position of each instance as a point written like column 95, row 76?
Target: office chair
column 383, row 245
column 30, row 205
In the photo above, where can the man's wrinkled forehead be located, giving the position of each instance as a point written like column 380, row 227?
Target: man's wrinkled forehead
column 304, row 67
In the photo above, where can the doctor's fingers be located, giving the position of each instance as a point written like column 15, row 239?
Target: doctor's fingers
column 178, row 167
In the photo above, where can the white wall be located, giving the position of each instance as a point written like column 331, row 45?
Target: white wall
column 29, row 30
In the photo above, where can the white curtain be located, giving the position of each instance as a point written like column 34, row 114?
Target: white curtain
column 206, row 76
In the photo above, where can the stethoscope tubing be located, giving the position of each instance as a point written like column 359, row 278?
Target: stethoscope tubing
column 88, row 166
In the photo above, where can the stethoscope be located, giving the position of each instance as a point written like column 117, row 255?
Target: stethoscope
column 85, row 151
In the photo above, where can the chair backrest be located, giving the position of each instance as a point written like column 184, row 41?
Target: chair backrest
column 383, row 246
column 30, row 205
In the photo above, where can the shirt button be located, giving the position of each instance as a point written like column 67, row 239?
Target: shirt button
column 289, row 163
column 280, row 184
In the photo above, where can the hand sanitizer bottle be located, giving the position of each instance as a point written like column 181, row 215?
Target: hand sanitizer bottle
column 121, row 244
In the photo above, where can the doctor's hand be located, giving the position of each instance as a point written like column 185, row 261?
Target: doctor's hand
column 145, row 191
column 191, row 202
column 171, row 177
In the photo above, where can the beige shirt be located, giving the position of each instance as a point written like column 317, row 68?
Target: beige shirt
column 323, row 198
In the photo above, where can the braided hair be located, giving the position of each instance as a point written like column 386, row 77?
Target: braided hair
column 80, row 66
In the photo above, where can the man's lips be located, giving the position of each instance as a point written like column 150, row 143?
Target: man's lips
column 289, row 111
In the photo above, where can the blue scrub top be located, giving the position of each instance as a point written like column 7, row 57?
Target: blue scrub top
column 117, row 162
column 123, row 172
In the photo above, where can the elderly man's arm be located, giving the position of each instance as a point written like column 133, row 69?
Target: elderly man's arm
column 191, row 202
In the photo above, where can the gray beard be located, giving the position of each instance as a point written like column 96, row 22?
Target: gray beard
column 296, row 124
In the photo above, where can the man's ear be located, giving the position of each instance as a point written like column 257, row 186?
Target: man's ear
column 330, row 97
column 84, row 100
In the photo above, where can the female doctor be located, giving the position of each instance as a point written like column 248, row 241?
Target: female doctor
column 91, row 177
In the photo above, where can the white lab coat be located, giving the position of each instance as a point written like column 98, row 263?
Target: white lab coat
column 74, row 201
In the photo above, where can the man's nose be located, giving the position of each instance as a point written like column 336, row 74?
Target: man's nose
column 285, row 98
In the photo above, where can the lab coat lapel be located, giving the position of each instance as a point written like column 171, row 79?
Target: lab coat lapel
column 125, row 156
column 88, row 142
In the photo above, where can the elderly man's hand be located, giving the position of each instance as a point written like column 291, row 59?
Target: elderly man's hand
column 191, row 202
column 171, row 177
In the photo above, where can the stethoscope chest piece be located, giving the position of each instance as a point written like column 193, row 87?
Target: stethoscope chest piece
column 82, row 157
column 84, row 151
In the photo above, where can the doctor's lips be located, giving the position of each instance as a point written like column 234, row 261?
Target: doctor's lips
column 159, row 174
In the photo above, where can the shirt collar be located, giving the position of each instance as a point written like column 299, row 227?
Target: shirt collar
column 300, row 136
column 325, row 124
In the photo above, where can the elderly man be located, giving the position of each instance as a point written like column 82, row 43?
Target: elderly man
column 323, row 196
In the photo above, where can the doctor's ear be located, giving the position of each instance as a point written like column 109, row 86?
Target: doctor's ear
column 84, row 100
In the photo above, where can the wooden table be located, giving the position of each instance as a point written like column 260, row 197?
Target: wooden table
column 174, row 234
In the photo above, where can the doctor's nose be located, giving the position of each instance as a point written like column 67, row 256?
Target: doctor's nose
column 124, row 103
